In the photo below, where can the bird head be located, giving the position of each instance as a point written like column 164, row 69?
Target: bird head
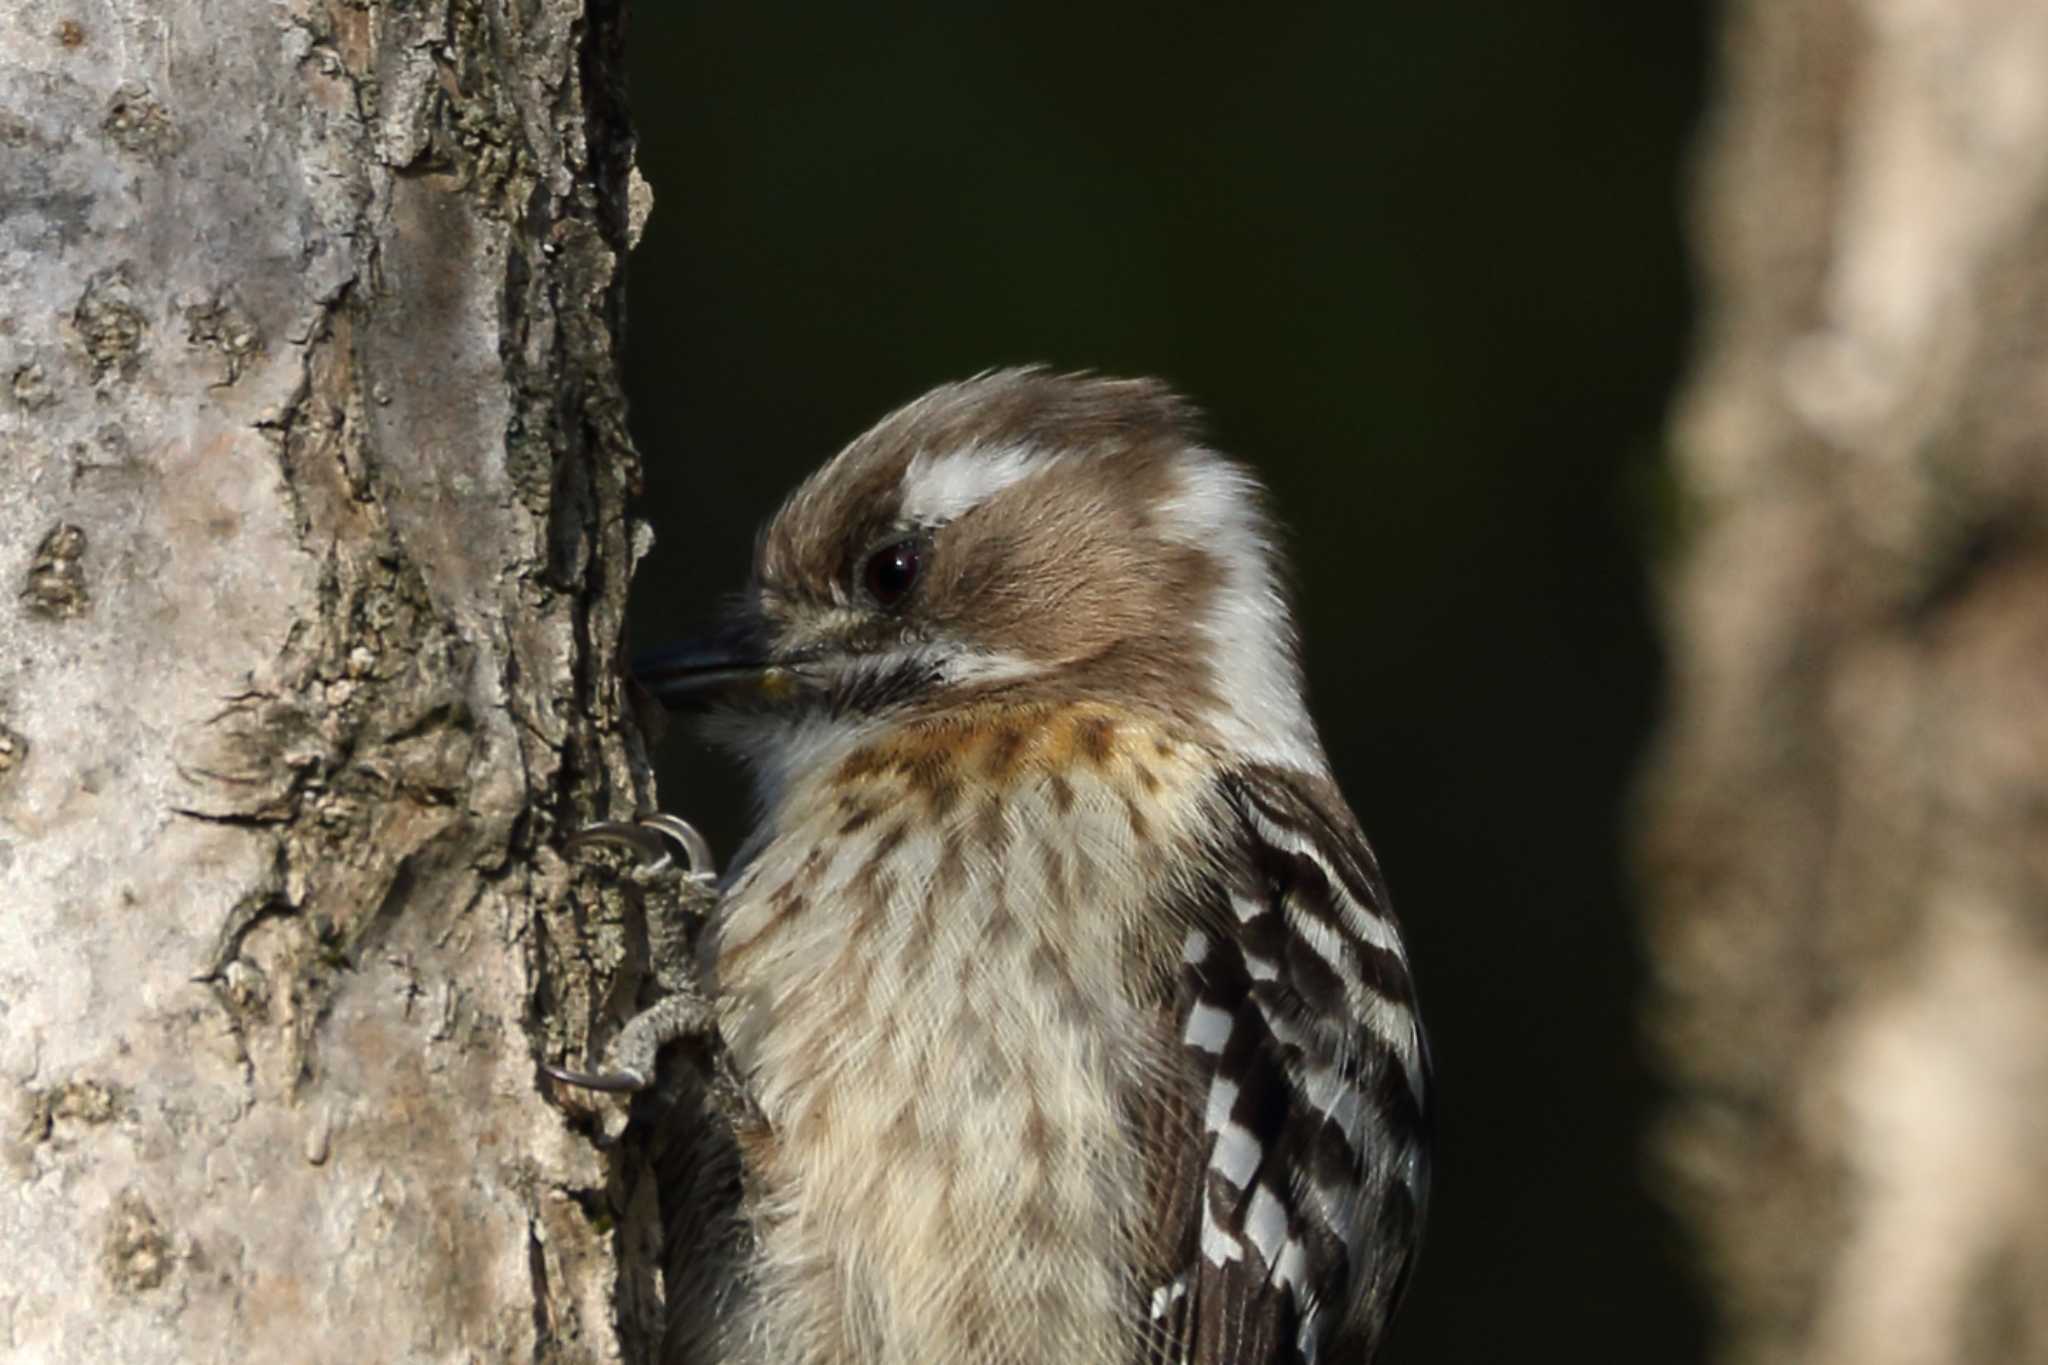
column 1020, row 536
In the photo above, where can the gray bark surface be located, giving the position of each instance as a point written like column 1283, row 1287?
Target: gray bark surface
column 1846, row 840
column 312, row 475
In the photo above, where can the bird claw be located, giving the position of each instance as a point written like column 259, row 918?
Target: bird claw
column 656, row 839
column 614, row 1082
column 665, row 845
column 630, row 1060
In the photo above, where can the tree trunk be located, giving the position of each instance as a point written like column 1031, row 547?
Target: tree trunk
column 1846, row 846
column 314, row 473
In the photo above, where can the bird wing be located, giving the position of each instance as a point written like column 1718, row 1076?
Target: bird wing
column 1287, row 1179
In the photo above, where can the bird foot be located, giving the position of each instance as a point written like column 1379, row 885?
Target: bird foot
column 629, row 1061
column 668, row 849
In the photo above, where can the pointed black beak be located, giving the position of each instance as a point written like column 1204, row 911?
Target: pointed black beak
column 729, row 668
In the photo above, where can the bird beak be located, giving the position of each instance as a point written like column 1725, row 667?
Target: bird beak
column 731, row 668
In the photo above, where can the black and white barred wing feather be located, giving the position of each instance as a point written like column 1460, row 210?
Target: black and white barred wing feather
column 1290, row 1185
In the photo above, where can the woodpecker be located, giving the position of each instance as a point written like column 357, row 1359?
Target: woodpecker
column 1069, row 1018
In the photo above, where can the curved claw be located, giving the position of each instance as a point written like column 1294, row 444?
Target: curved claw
column 614, row 1083
column 656, row 839
column 697, row 858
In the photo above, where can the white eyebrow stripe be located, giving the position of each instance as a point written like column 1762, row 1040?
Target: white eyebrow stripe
column 945, row 487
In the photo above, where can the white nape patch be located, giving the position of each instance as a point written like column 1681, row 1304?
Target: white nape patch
column 1263, row 715
column 944, row 487
column 1208, row 1028
column 1260, row 969
column 1265, row 1222
column 1247, row 908
column 1195, row 951
column 1167, row 1295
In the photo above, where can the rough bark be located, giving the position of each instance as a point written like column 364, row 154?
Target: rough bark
column 313, row 532
column 1846, row 845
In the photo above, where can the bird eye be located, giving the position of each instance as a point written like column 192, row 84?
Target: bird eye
column 891, row 571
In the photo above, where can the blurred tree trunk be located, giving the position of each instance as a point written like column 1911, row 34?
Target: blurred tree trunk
column 312, row 482
column 1847, row 838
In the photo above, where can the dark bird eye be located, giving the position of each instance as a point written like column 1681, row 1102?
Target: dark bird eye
column 891, row 571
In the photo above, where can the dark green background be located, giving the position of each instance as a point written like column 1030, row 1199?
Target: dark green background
column 1420, row 265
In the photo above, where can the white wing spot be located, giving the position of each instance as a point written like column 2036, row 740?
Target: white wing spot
column 1218, row 1246
column 1394, row 1024
column 1336, row 1099
column 1208, row 1028
column 1167, row 1295
column 1236, row 1157
column 1309, row 1340
column 1237, row 1152
column 1265, row 1222
column 1292, row 1269
column 1222, row 1099
column 1361, row 920
column 1330, row 947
